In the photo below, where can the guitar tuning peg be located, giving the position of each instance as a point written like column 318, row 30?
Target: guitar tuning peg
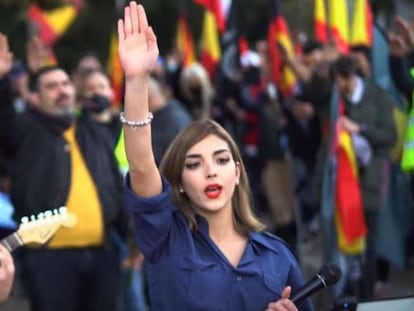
column 24, row 220
column 48, row 215
column 63, row 210
column 40, row 216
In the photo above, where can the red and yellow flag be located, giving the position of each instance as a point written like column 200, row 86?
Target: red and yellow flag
column 349, row 216
column 339, row 24
column 210, row 39
column 210, row 45
column 218, row 9
column 320, row 22
column 51, row 24
column 362, row 24
column 184, row 39
column 115, row 71
column 278, row 34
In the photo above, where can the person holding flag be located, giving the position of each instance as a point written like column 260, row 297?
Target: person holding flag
column 362, row 131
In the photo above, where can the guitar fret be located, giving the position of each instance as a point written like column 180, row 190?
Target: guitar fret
column 18, row 240
column 6, row 244
column 12, row 242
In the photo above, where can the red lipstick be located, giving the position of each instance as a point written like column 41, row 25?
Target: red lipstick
column 213, row 191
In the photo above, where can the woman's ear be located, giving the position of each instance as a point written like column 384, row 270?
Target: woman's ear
column 238, row 172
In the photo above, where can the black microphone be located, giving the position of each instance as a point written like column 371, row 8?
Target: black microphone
column 328, row 275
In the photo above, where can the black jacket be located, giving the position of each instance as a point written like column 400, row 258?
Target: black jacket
column 400, row 73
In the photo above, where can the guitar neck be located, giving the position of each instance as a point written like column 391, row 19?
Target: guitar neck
column 12, row 242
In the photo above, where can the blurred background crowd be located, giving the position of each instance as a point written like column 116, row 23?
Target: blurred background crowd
column 318, row 95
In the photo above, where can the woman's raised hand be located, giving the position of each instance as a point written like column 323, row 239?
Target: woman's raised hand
column 137, row 45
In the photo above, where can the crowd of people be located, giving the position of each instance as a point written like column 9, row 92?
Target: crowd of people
column 197, row 192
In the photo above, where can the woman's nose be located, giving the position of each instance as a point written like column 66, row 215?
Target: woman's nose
column 210, row 174
column 211, row 171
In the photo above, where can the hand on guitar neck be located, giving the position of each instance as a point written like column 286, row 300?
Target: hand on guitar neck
column 6, row 273
column 39, row 229
column 32, row 230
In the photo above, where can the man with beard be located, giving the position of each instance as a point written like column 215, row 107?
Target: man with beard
column 56, row 160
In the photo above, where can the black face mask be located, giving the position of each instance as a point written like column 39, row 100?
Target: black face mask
column 96, row 103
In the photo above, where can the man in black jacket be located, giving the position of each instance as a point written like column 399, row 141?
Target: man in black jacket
column 56, row 161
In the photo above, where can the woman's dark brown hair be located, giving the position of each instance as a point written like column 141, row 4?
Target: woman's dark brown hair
column 172, row 167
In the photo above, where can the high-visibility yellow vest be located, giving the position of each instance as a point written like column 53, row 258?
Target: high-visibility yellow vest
column 407, row 161
column 121, row 155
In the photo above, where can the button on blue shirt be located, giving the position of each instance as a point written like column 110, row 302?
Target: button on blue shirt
column 187, row 271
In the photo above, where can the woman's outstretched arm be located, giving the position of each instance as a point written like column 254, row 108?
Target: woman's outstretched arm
column 138, row 52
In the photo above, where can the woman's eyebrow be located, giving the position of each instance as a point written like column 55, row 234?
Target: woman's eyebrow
column 220, row 151
column 196, row 155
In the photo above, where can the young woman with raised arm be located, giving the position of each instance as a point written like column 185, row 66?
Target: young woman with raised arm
column 203, row 246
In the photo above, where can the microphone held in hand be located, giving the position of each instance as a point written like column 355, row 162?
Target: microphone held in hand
column 328, row 275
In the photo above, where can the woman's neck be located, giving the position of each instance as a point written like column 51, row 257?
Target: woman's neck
column 221, row 226
column 224, row 234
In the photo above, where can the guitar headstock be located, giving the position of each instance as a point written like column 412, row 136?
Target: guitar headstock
column 38, row 229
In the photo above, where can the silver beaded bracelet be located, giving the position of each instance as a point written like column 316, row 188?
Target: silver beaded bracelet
column 134, row 124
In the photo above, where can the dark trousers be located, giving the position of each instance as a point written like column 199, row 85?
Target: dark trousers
column 85, row 279
column 374, row 268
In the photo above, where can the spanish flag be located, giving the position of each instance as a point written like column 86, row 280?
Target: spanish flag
column 115, row 71
column 339, row 24
column 278, row 34
column 210, row 39
column 184, row 39
column 320, row 21
column 349, row 216
column 362, row 24
column 51, row 24
column 219, row 10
